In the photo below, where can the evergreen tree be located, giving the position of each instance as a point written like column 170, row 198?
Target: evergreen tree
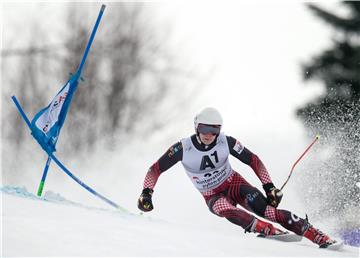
column 336, row 116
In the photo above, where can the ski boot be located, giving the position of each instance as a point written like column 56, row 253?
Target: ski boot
column 316, row 236
column 264, row 228
column 268, row 231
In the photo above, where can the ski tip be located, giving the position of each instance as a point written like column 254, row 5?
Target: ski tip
column 102, row 7
column 334, row 246
column 318, row 136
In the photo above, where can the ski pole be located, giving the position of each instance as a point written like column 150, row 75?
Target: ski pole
column 297, row 161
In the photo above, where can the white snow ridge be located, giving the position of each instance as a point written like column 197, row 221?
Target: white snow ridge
column 54, row 226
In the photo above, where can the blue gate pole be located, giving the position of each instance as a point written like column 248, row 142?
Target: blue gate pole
column 43, row 178
column 21, row 111
column 90, row 40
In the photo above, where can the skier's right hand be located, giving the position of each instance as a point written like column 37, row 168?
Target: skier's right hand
column 145, row 202
column 273, row 194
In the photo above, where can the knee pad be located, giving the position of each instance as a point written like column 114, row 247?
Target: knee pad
column 255, row 199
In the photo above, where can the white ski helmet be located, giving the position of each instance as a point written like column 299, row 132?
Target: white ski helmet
column 208, row 116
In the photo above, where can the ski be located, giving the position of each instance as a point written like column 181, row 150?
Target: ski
column 284, row 237
column 334, row 246
column 290, row 237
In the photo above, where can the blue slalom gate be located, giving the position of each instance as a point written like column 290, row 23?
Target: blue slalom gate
column 46, row 125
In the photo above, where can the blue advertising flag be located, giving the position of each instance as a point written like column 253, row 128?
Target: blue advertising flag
column 47, row 123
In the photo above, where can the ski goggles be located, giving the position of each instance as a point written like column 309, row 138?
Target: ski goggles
column 209, row 129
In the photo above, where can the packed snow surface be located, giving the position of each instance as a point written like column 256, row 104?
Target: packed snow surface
column 54, row 226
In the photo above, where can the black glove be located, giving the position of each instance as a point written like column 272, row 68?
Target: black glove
column 145, row 202
column 273, row 194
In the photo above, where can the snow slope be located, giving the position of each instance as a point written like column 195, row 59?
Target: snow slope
column 54, row 226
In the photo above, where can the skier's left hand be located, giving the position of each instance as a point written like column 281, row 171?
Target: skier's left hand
column 273, row 194
column 145, row 202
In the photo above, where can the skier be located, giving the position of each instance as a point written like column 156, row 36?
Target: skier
column 205, row 157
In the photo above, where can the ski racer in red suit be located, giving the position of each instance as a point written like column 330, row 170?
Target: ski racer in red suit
column 205, row 157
